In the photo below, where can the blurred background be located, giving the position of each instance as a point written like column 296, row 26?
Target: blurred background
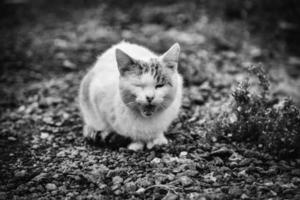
column 42, row 39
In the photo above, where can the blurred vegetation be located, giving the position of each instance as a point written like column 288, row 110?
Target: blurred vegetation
column 276, row 19
column 272, row 124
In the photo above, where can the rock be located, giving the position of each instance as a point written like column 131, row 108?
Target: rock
column 51, row 186
column 235, row 157
column 170, row 196
column 130, row 187
column 44, row 135
column 244, row 196
column 62, row 153
column 115, row 187
column 183, row 154
column 156, row 161
column 68, row 64
column 117, row 192
column 20, row 174
column 12, row 139
column 185, row 180
column 39, row 177
column 140, row 190
column 235, row 191
column 189, row 172
column 210, row 177
column 143, row 182
column 196, row 196
column 117, row 180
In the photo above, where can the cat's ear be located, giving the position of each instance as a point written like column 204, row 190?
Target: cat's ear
column 170, row 57
column 124, row 61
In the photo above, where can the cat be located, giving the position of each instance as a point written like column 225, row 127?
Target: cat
column 134, row 92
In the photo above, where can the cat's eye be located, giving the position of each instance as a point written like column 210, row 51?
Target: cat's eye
column 160, row 85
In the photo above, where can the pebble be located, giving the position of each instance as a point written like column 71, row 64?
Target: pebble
column 185, row 180
column 44, row 135
column 143, row 182
column 244, row 196
column 20, row 173
column 130, row 187
column 117, row 180
column 235, row 191
column 156, row 161
column 140, row 190
column 171, row 196
column 12, row 139
column 39, row 177
column 51, row 186
column 196, row 196
column 183, row 154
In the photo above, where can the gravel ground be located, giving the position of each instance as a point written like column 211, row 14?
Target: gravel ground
column 43, row 155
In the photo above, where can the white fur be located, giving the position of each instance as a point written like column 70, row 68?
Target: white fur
column 106, row 111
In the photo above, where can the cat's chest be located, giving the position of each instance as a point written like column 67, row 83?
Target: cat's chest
column 143, row 129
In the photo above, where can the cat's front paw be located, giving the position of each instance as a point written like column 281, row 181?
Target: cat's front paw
column 136, row 146
column 93, row 135
column 89, row 133
column 162, row 140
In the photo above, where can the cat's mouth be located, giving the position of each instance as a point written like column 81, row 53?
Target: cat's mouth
column 148, row 110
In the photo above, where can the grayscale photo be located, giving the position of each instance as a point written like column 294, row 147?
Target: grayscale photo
column 154, row 99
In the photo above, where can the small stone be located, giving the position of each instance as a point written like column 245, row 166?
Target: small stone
column 170, row 196
column 190, row 172
column 156, row 161
column 117, row 192
column 143, row 182
column 140, row 190
column 185, row 180
column 12, row 139
column 183, row 154
column 130, row 187
column 115, row 187
column 235, row 191
column 210, row 177
column 117, row 180
column 61, row 153
column 39, row 177
column 51, row 186
column 20, row 173
column 68, row 64
column 55, row 176
column 44, row 135
column 244, row 196
column 196, row 196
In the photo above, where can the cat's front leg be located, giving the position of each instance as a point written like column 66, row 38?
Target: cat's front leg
column 160, row 140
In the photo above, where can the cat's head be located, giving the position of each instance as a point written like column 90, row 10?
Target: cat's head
column 148, row 87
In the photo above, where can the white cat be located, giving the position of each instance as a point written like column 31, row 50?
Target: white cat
column 133, row 92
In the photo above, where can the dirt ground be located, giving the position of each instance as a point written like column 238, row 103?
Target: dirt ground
column 46, row 50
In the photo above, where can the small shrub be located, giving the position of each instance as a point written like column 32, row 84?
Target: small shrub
column 272, row 124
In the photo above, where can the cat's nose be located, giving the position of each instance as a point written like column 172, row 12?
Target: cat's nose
column 149, row 98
